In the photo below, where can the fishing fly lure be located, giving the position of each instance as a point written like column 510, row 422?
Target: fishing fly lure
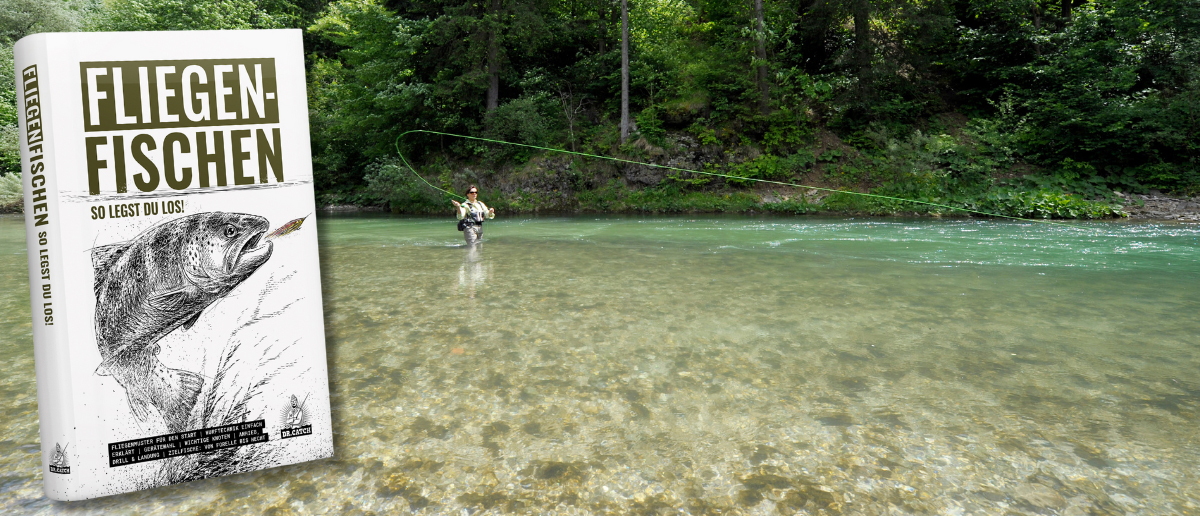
column 287, row 229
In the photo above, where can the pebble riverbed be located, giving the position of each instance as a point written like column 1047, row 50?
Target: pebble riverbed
column 721, row 366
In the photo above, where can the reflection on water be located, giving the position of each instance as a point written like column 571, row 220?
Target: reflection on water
column 723, row 365
column 474, row 270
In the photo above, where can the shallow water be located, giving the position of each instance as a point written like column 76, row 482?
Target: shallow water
column 720, row 365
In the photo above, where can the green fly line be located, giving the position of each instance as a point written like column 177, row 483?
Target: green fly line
column 715, row 174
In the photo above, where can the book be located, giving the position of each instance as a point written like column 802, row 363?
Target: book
column 174, row 279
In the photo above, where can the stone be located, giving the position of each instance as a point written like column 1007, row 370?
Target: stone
column 1040, row 496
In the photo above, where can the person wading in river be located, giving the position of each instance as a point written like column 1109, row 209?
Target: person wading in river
column 472, row 214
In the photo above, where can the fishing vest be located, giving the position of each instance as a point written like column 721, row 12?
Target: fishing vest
column 474, row 214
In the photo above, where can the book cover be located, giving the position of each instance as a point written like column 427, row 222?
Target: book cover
column 172, row 244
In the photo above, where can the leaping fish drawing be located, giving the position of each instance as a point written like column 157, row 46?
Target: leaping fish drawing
column 160, row 281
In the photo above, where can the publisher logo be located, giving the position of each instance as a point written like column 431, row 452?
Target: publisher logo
column 297, row 431
column 294, row 419
column 59, row 463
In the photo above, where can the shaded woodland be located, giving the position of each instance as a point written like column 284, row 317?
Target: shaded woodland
column 1024, row 107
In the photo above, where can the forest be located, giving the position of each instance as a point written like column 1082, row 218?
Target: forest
column 1028, row 108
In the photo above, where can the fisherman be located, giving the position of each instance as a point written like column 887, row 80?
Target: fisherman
column 471, row 215
column 60, row 458
column 295, row 414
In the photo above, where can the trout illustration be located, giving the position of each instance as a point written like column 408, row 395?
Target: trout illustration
column 160, row 281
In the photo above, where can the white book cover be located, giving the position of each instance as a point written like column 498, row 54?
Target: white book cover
column 175, row 283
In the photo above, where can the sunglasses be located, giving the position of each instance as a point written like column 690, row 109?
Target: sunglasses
column 472, row 192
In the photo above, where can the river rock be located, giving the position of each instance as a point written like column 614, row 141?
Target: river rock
column 1156, row 206
column 1040, row 496
column 342, row 208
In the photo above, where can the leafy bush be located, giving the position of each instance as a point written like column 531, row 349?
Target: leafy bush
column 849, row 202
column 520, row 120
column 704, row 134
column 786, row 131
column 694, row 181
column 527, row 120
column 391, row 182
column 852, row 173
column 937, row 157
column 10, row 191
column 616, row 197
column 791, row 207
column 196, row 15
column 10, row 155
column 1043, row 204
column 1039, row 204
column 523, row 201
column 765, row 166
column 798, row 162
column 10, row 150
column 650, row 125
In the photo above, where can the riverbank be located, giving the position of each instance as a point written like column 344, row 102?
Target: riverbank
column 1154, row 206
column 945, row 174
column 1157, row 206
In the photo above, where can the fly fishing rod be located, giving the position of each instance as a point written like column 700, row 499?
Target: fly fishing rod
column 715, row 174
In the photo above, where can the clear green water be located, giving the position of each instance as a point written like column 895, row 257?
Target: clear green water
column 720, row 365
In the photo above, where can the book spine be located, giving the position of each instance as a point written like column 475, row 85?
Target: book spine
column 43, row 224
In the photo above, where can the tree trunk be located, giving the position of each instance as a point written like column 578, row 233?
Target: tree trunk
column 760, row 52
column 862, row 42
column 493, row 58
column 624, row 70
column 1037, row 25
column 1066, row 9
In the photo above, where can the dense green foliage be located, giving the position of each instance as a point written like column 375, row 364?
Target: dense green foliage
column 19, row 18
column 1026, row 107
column 195, row 15
column 10, row 191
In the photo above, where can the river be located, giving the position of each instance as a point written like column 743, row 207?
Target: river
column 711, row 364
